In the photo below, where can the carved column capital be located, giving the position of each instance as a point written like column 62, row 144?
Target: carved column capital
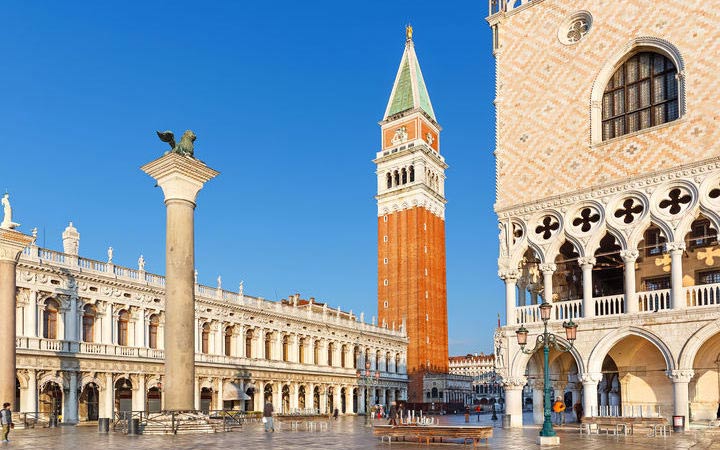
column 672, row 247
column 509, row 275
column 629, row 256
column 591, row 378
column 547, row 267
column 512, row 383
column 681, row 375
column 586, row 261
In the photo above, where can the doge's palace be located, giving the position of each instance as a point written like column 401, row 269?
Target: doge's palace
column 608, row 200
column 90, row 344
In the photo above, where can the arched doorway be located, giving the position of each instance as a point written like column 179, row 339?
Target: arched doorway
column 316, row 399
column 50, row 399
column 285, row 399
column 563, row 370
column 206, row 395
column 343, row 406
column 355, row 400
column 330, row 399
column 250, row 391
column 704, row 388
column 16, row 404
column 301, row 397
column 268, row 393
column 154, row 400
column 634, row 381
column 123, row 397
column 88, row 403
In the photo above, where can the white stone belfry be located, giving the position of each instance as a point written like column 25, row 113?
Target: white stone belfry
column 180, row 178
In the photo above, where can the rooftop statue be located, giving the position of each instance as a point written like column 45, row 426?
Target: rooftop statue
column 7, row 222
column 185, row 147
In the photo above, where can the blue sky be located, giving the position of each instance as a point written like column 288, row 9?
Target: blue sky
column 284, row 98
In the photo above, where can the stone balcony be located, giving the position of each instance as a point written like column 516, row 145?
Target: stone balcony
column 696, row 297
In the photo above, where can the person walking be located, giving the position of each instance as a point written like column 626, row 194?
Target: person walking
column 267, row 417
column 578, row 411
column 6, row 421
column 559, row 409
column 335, row 413
column 393, row 414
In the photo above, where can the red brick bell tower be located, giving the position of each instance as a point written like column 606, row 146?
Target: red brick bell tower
column 412, row 287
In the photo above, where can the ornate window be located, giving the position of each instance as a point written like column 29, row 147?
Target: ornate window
column 88, row 323
column 248, row 344
column 123, row 320
column 301, row 351
column 268, row 346
column 285, row 348
column 205, row 338
column 343, row 350
column 153, row 331
column 316, row 353
column 228, row 340
column 330, row 351
column 50, row 319
column 654, row 242
column 641, row 94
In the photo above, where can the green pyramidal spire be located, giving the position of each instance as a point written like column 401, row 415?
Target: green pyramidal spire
column 409, row 91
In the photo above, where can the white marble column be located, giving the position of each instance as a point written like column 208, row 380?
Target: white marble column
column 31, row 316
column 538, row 401
column 510, row 277
column 277, row 397
column 590, row 383
column 32, row 392
column 196, row 403
column 140, row 327
column 548, row 269
column 586, row 264
column 680, row 380
column 514, row 400
column 259, row 399
column 107, row 323
column 109, row 396
column 677, row 292
column 629, row 257
column 71, row 319
column 139, row 393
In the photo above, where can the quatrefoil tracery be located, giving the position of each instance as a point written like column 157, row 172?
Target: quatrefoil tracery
column 586, row 220
column 675, row 201
column 547, row 227
column 630, row 211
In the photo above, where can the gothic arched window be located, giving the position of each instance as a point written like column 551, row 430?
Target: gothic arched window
column 228, row 340
column 388, row 176
column 248, row 343
column 641, row 94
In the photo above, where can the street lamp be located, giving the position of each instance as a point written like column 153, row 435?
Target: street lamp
column 547, row 340
column 367, row 378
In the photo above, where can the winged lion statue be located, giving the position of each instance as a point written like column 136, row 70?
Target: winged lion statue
column 185, row 147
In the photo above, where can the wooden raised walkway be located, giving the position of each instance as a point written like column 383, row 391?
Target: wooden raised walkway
column 428, row 433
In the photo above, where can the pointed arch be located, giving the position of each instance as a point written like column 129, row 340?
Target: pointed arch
column 607, row 342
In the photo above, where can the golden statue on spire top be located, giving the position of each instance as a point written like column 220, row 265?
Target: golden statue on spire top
column 408, row 32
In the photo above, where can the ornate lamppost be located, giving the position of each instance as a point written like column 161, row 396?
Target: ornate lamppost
column 367, row 378
column 547, row 340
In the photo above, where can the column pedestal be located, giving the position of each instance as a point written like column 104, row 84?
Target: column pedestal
column 681, row 379
column 11, row 245
column 181, row 178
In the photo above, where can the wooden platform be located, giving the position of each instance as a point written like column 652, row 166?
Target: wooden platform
column 429, row 433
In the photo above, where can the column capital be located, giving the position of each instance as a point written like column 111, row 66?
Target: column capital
column 547, row 267
column 12, row 244
column 586, row 261
column 180, row 177
column 509, row 275
column 512, row 383
column 591, row 378
column 681, row 375
column 675, row 247
column 629, row 256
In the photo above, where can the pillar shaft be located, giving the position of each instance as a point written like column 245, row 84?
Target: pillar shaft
column 510, row 279
column 180, row 178
column 71, row 414
column 588, row 307
column 514, row 404
column 676, row 250
column 11, row 244
column 629, row 257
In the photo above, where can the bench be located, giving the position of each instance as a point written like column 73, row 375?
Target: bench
column 658, row 426
column 427, row 433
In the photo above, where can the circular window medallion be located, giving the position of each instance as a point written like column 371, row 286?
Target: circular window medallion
column 575, row 27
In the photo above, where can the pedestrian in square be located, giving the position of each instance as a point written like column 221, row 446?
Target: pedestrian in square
column 6, row 421
column 267, row 417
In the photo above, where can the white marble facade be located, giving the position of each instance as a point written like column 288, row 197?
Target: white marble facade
column 90, row 344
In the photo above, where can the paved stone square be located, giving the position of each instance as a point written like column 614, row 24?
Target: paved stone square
column 346, row 433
